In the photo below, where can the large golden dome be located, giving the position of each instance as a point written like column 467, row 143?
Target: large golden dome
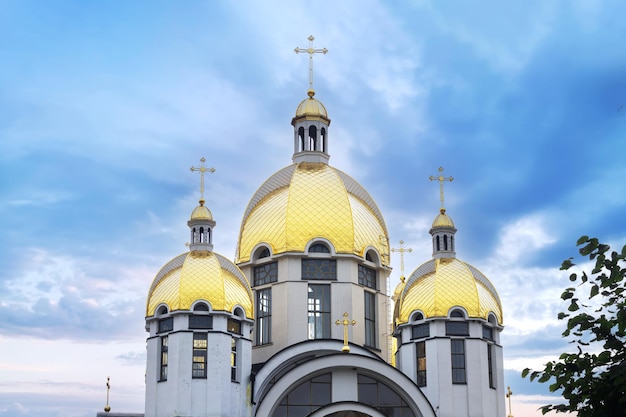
column 440, row 284
column 200, row 275
column 312, row 200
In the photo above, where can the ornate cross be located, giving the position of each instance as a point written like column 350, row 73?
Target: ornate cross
column 311, row 50
column 107, row 407
column 441, row 179
column 508, row 395
column 202, row 170
column 402, row 250
column 345, row 322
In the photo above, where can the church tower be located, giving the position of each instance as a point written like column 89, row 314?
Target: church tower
column 314, row 245
column 199, row 315
column 447, row 323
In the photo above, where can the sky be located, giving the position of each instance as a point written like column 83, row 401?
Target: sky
column 104, row 107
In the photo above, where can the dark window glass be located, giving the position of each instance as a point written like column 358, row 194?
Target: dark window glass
column 306, row 397
column 319, row 248
column 370, row 319
column 457, row 328
column 490, row 366
column 265, row 253
column 266, row 273
column 487, row 333
column 421, row 363
column 457, row 349
column 201, row 307
column 163, row 373
column 263, row 316
column 198, row 369
column 417, row 317
column 200, row 322
column 234, row 326
column 369, row 257
column 166, row 325
column 367, row 277
column 420, row 331
column 457, row 314
column 319, row 311
column 325, row 269
column 382, row 397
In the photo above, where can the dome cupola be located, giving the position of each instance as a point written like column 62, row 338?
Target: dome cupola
column 310, row 124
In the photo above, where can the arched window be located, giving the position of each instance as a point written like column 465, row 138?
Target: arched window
column 312, row 138
column 161, row 311
column 262, row 253
column 319, row 248
column 438, row 246
column 451, row 242
column 456, row 313
column 201, row 234
column 445, row 242
column 301, row 138
column 200, row 307
column 210, row 235
column 323, row 139
column 417, row 316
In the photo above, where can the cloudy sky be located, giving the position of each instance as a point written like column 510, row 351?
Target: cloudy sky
column 104, row 106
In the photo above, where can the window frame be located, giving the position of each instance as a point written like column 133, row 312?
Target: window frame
column 164, row 357
column 420, row 364
column 369, row 318
column 318, row 312
column 269, row 271
column 312, row 269
column 458, row 351
column 263, row 319
column 199, row 355
column 368, row 277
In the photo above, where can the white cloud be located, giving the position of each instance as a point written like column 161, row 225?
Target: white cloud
column 521, row 238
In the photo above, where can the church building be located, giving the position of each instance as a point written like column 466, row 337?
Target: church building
column 300, row 323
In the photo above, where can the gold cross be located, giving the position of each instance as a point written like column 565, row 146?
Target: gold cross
column 441, row 179
column 345, row 322
column 311, row 50
column 202, row 170
column 107, row 407
column 508, row 395
column 402, row 250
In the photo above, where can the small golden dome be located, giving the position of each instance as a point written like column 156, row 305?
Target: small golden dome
column 443, row 220
column 201, row 212
column 200, row 275
column 312, row 200
column 441, row 284
column 311, row 107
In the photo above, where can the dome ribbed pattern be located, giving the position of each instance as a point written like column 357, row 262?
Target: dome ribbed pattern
column 308, row 201
column 441, row 284
column 200, row 275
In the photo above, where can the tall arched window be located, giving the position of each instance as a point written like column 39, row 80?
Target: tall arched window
column 201, row 234
column 301, row 138
column 438, row 245
column 445, row 242
column 323, row 139
column 312, row 138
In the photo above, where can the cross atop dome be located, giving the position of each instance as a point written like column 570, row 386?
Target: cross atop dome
column 441, row 180
column 311, row 50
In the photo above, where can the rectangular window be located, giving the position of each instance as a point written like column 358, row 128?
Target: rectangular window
column 367, row 277
column 492, row 383
column 457, row 328
column 322, row 269
column 370, row 319
column 166, row 325
column 488, row 333
column 163, row 373
column 419, row 331
column 233, row 359
column 266, row 273
column 457, row 350
column 234, row 326
column 198, row 369
column 263, row 316
column 200, row 322
column 319, row 311
column 421, row 363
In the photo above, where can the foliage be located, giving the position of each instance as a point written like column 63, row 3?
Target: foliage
column 593, row 379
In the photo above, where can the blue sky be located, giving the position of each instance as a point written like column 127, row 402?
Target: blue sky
column 104, row 106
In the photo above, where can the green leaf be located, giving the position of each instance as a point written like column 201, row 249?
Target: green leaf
column 582, row 240
column 525, row 372
column 594, row 291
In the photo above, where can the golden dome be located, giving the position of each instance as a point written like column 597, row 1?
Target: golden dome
column 443, row 220
column 200, row 275
column 311, row 108
column 440, row 284
column 201, row 212
column 312, row 200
